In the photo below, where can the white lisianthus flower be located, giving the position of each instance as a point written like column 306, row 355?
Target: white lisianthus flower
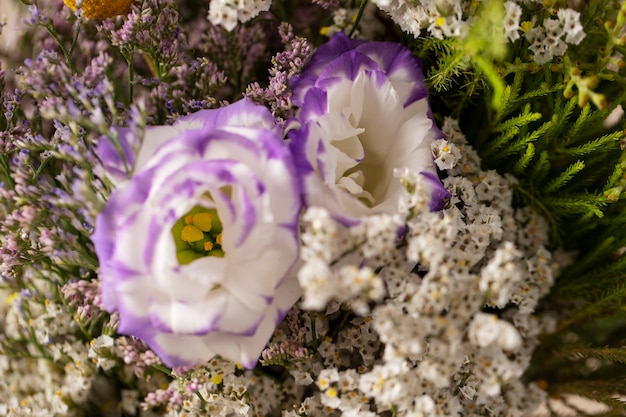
column 196, row 247
column 363, row 113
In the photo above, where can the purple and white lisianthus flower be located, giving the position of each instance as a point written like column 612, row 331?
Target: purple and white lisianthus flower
column 196, row 247
column 363, row 113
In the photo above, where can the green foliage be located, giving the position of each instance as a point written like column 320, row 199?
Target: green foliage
column 547, row 125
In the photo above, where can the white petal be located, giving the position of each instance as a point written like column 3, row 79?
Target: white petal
column 154, row 137
column 187, row 318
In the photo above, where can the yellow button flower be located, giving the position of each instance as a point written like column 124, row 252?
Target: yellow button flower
column 101, row 9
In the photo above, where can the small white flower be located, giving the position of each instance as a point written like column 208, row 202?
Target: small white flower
column 486, row 330
column 445, row 153
column 570, row 20
column 512, row 19
column 228, row 12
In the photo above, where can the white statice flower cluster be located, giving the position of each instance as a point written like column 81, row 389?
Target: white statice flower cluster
column 53, row 370
column 512, row 20
column 325, row 241
column 342, row 20
column 452, row 18
column 551, row 38
column 228, row 13
column 218, row 388
column 440, row 18
column 457, row 316
column 445, row 153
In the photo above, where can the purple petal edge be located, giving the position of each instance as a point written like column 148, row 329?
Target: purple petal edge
column 439, row 194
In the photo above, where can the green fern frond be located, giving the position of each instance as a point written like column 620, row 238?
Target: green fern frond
column 611, row 275
column 601, row 391
column 564, row 177
column 615, row 177
column 520, row 144
column 610, row 304
column 561, row 118
column 540, row 169
column 510, row 95
column 573, row 205
column 596, row 145
column 449, row 68
column 525, row 160
column 523, row 119
column 603, row 353
column 500, row 142
column 581, row 123
column 539, row 92
column 586, row 261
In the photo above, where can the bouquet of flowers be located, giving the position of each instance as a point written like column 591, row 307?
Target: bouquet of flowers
column 312, row 208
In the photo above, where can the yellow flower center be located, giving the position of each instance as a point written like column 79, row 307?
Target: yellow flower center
column 101, row 9
column 198, row 234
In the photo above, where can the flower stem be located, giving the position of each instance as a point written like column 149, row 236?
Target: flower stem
column 4, row 168
column 313, row 330
column 131, row 76
column 163, row 369
column 359, row 15
column 79, row 24
column 68, row 58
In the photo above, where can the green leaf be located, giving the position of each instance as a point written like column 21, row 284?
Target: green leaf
column 563, row 178
column 525, row 160
column 596, row 145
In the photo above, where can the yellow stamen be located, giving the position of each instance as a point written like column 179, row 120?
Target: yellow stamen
column 526, row 26
column 191, row 233
column 216, row 379
column 218, row 239
column 101, row 9
column 12, row 298
column 324, row 30
column 440, row 21
column 208, row 246
column 203, row 221
column 189, row 219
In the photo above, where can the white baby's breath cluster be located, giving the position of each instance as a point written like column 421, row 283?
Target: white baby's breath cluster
column 228, row 13
column 326, row 241
column 551, row 38
column 512, row 20
column 452, row 18
column 451, row 309
column 440, row 18
column 37, row 382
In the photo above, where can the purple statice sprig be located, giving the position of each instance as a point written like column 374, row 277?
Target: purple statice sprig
column 166, row 66
column 289, row 343
column 83, row 300
column 86, row 100
column 152, row 28
column 285, row 65
column 171, row 398
column 39, row 19
column 327, row 4
column 238, row 53
column 51, row 193
column 139, row 356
